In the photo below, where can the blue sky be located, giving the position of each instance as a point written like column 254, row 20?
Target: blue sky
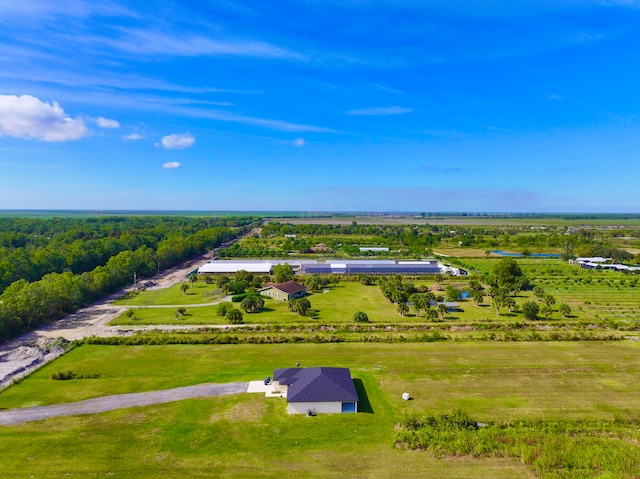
column 321, row 105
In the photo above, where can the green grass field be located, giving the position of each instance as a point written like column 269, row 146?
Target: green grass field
column 250, row 435
column 196, row 294
column 590, row 301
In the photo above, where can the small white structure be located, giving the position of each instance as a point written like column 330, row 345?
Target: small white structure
column 373, row 249
column 406, row 396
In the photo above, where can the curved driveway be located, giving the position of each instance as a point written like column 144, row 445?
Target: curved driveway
column 109, row 403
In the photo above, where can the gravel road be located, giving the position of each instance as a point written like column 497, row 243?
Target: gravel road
column 109, row 403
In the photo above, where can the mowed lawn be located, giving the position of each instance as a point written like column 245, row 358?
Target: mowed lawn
column 196, row 294
column 338, row 305
column 252, row 436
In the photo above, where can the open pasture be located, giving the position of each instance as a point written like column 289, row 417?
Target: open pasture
column 338, row 305
column 196, row 294
column 252, row 435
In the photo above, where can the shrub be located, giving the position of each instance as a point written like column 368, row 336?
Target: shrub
column 361, row 317
column 237, row 298
column 234, row 316
column 69, row 374
column 223, row 308
column 252, row 303
column 63, row 375
column 530, row 309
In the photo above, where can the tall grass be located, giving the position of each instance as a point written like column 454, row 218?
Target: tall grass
column 553, row 449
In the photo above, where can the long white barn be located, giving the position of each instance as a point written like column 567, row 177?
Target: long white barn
column 348, row 267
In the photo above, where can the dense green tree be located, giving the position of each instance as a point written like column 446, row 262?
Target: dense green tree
column 508, row 275
column 477, row 296
column 403, row 309
column 283, row 273
column 546, row 311
column 244, row 279
column 317, row 282
column 530, row 310
column 184, row 287
column 564, row 309
column 234, row 316
column 360, row 317
column 548, row 299
column 366, row 279
column 432, row 314
column 421, row 301
column 222, row 309
column 252, row 303
column 300, row 306
column 452, row 293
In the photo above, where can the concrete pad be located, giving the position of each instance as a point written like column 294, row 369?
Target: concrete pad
column 258, row 387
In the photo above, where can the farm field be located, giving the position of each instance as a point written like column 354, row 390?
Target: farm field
column 456, row 220
column 598, row 295
column 234, row 435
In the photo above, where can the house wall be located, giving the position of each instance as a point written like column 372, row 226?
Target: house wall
column 274, row 293
column 318, row 407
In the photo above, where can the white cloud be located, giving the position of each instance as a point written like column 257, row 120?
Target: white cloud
column 29, row 118
column 177, row 141
column 133, row 137
column 171, row 165
column 382, row 111
column 107, row 123
column 298, row 142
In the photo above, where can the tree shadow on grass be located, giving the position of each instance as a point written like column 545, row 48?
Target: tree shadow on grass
column 363, row 399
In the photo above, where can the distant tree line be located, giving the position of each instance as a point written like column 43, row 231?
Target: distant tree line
column 158, row 243
column 31, row 248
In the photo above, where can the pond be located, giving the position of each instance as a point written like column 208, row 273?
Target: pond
column 520, row 255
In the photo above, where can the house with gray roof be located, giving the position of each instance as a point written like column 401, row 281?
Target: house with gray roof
column 316, row 390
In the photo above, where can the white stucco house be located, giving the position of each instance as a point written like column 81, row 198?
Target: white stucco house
column 316, row 390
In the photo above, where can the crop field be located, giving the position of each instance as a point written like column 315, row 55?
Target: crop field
column 252, row 435
column 453, row 220
column 599, row 295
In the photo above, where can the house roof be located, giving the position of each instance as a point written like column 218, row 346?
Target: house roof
column 290, row 287
column 317, row 384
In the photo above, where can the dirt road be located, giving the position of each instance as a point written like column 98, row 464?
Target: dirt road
column 89, row 321
column 109, row 403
